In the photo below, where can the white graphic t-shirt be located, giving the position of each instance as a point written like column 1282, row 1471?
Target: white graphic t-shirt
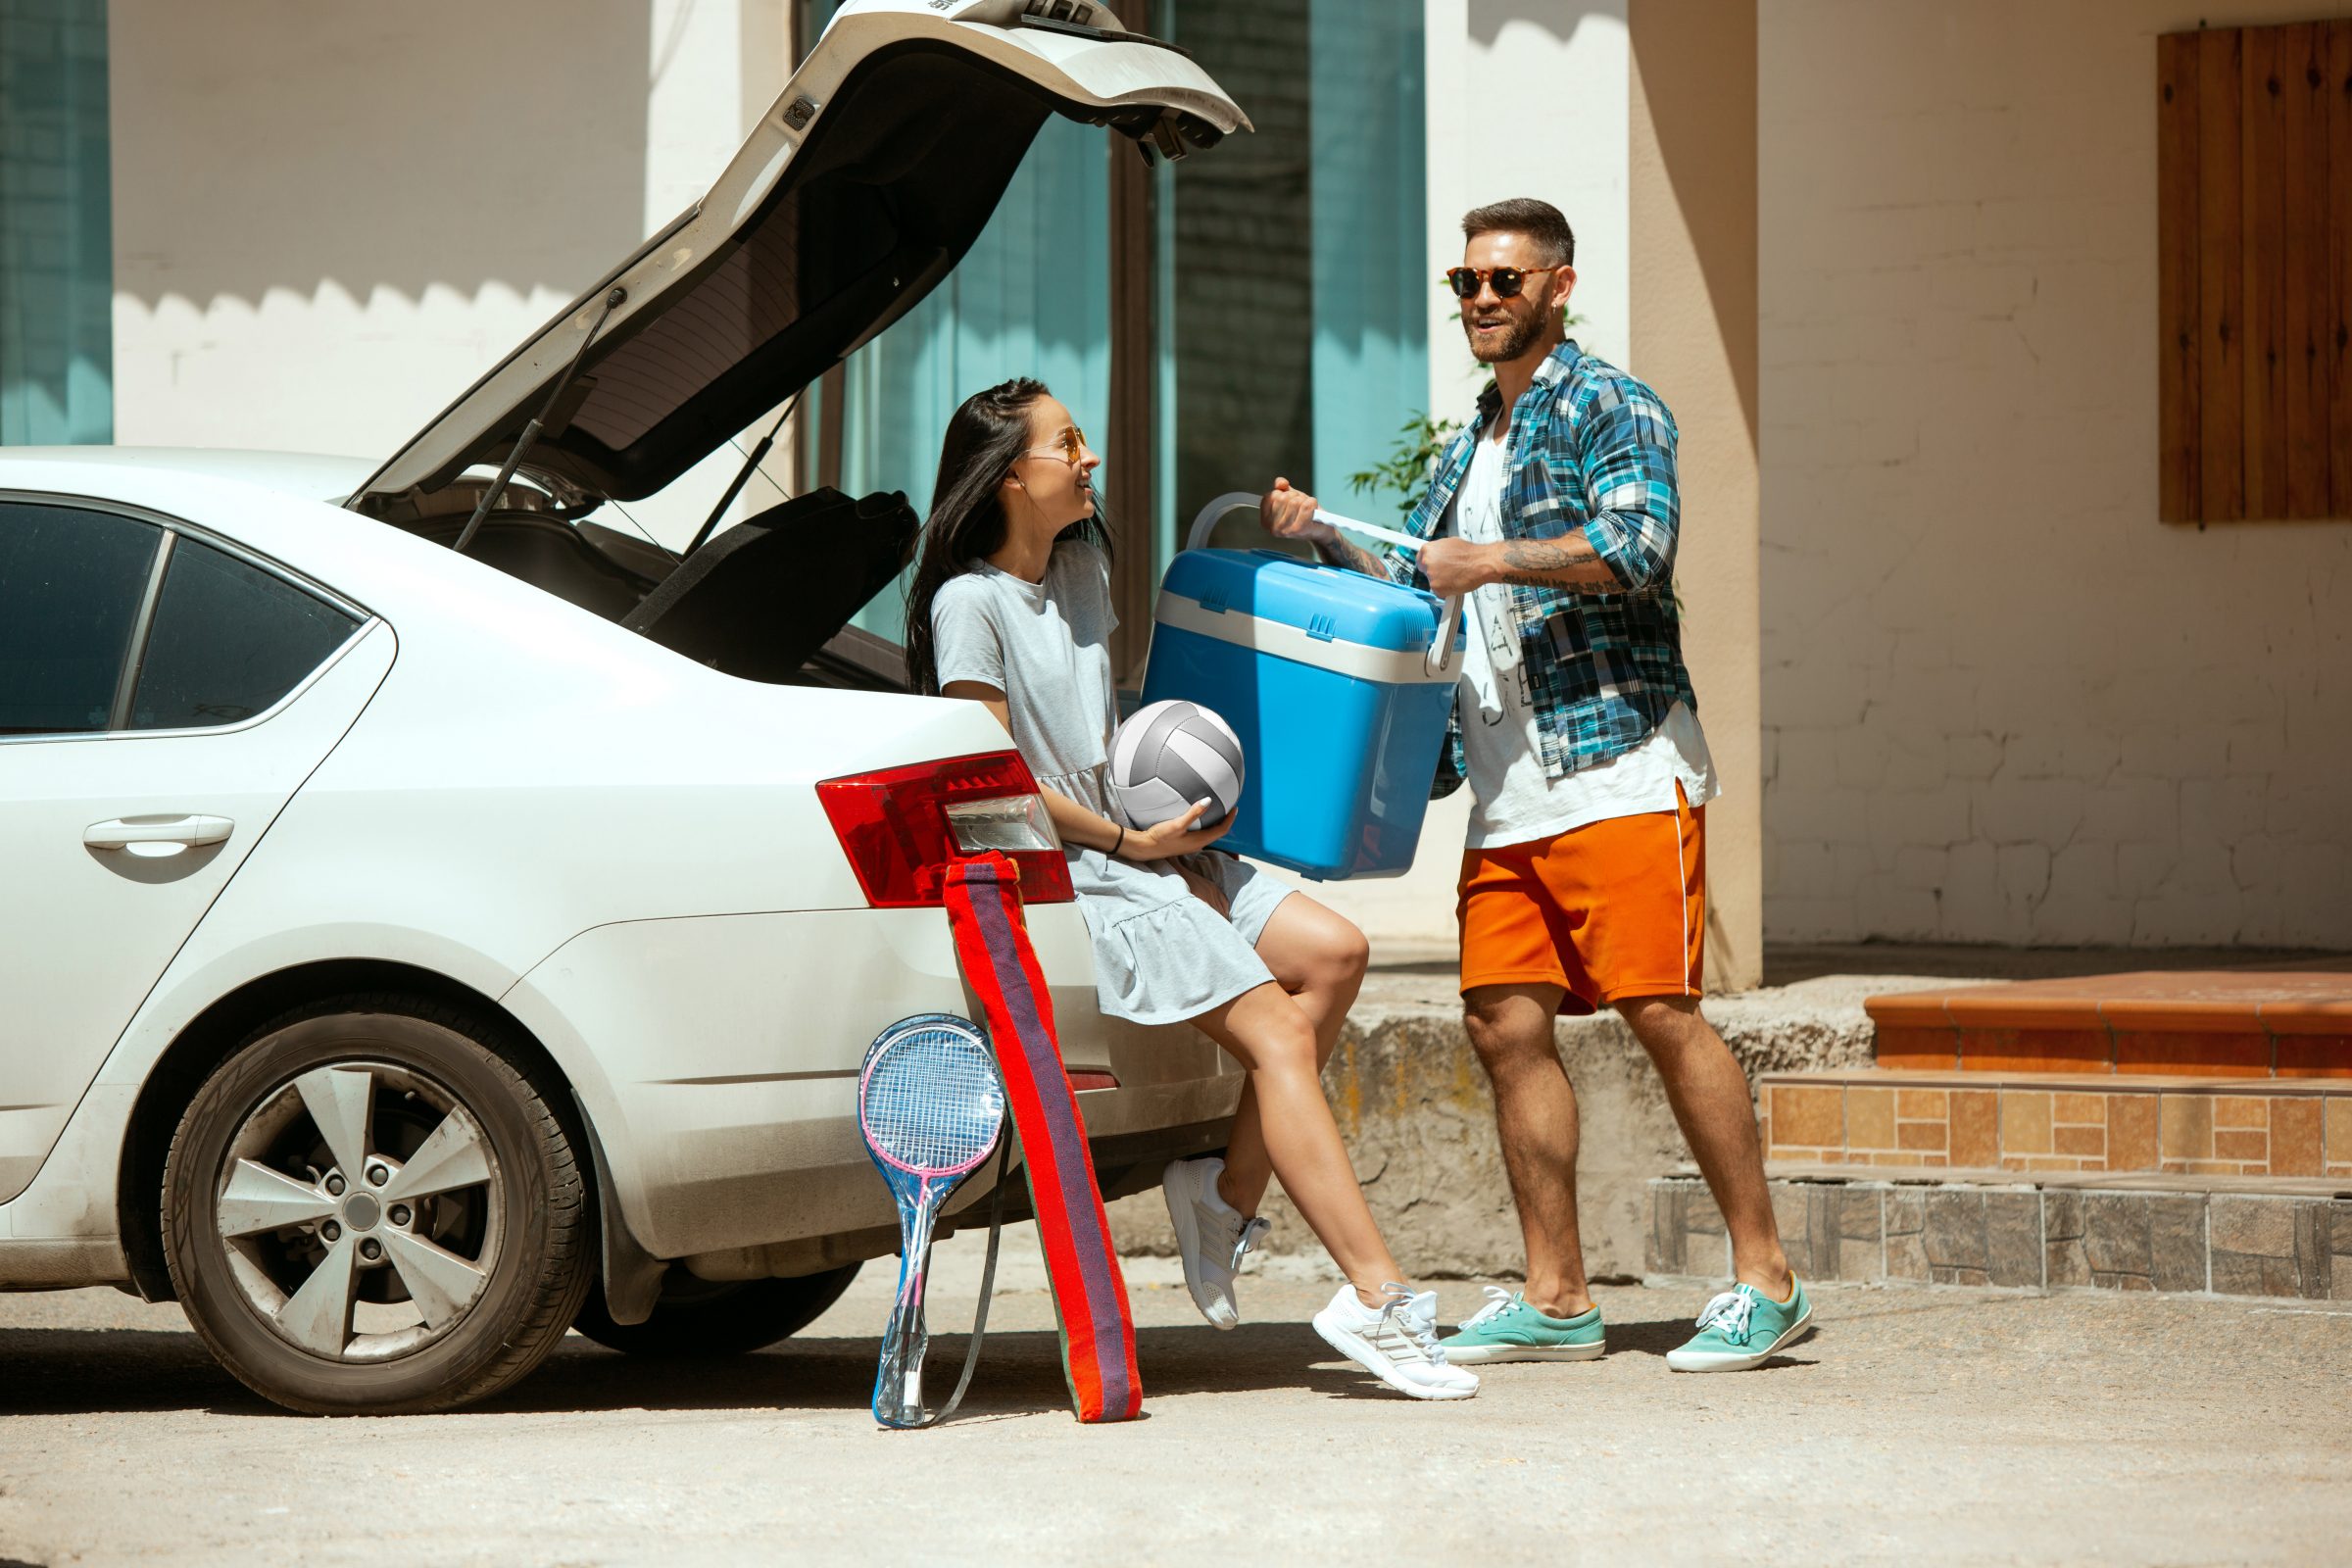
column 1514, row 802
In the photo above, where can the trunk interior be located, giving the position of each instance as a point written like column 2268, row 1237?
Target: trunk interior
column 768, row 599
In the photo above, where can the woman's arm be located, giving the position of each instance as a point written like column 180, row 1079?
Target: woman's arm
column 1090, row 829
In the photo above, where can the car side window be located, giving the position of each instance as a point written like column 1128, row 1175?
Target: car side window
column 72, row 584
column 228, row 641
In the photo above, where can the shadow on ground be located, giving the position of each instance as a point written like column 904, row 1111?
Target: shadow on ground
column 85, row 1371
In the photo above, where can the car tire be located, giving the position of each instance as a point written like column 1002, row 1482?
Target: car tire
column 470, row 1212
column 699, row 1319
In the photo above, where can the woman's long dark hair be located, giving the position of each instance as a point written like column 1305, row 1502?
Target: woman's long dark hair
column 967, row 522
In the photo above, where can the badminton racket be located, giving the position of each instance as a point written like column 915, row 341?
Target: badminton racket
column 931, row 1106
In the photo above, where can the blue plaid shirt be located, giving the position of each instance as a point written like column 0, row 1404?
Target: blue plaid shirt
column 1591, row 448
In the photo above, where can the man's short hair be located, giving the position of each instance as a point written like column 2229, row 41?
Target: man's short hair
column 1540, row 222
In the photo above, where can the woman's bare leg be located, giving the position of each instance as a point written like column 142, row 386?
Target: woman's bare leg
column 1318, row 957
column 1269, row 1034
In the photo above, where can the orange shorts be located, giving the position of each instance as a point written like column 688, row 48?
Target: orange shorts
column 1612, row 909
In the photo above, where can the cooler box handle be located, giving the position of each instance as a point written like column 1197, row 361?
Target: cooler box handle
column 1441, row 652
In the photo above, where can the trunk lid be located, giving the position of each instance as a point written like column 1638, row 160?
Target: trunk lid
column 856, row 193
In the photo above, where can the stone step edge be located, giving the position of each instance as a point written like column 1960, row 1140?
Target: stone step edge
column 2200, row 1240
column 2101, row 1083
column 2121, row 1181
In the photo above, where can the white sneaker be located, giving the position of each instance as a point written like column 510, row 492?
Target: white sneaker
column 1211, row 1235
column 1396, row 1341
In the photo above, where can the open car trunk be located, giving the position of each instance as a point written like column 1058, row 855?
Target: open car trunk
column 854, row 197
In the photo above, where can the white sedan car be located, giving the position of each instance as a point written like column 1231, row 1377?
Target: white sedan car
column 411, row 949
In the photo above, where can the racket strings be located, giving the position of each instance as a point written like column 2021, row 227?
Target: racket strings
column 933, row 1102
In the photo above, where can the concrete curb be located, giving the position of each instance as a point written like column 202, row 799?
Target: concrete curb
column 1419, row 1120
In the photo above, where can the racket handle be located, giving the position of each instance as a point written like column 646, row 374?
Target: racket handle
column 899, row 1377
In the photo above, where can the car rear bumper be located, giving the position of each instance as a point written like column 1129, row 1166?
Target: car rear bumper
column 718, row 1059
column 1124, row 1163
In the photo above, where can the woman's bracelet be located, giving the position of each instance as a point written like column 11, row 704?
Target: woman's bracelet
column 1118, row 843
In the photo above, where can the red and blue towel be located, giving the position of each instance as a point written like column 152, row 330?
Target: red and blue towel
column 1089, row 1294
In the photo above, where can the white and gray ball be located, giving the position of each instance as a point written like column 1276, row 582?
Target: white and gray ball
column 1169, row 756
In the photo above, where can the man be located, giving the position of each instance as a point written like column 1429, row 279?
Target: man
column 1583, row 883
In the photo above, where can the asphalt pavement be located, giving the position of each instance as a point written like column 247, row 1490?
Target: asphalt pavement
column 1916, row 1425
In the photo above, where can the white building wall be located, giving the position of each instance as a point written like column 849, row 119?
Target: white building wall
column 1526, row 98
column 329, row 220
column 2002, row 703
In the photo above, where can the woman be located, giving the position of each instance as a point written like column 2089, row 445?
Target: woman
column 1010, row 607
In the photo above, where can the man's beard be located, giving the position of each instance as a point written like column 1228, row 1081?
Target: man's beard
column 1520, row 336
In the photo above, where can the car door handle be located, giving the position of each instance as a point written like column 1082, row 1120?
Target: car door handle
column 186, row 831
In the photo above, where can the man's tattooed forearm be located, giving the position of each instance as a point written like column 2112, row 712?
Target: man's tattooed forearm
column 1532, row 554
column 1539, row 564
column 1343, row 553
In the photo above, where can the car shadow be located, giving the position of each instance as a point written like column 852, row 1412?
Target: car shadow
column 94, row 1371
column 1020, row 1373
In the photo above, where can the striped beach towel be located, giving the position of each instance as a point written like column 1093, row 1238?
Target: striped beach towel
column 1090, row 1295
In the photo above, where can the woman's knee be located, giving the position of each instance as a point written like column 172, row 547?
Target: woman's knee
column 1350, row 951
column 1319, row 948
column 1284, row 1042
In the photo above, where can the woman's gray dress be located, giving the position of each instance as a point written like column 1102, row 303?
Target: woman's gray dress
column 1160, row 954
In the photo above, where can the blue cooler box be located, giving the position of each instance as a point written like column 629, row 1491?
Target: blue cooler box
column 1330, row 680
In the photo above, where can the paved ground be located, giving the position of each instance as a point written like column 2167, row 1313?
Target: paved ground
column 1915, row 1426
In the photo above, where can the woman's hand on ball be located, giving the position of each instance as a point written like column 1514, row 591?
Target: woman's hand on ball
column 1178, row 835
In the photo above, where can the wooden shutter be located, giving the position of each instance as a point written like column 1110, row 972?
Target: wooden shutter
column 2254, row 275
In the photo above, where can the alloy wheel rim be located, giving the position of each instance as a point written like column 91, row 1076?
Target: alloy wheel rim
column 360, row 1209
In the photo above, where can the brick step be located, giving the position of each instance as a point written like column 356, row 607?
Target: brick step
column 1890, row 1119
column 2202, row 1023
column 2181, row 1236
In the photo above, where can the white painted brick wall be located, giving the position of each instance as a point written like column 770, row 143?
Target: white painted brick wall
column 2002, row 703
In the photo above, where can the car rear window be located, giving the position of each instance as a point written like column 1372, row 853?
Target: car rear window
column 71, row 585
column 228, row 641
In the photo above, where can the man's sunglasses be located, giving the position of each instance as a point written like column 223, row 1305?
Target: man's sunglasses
column 1465, row 281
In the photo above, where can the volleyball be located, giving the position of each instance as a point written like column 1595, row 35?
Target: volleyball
column 1171, row 756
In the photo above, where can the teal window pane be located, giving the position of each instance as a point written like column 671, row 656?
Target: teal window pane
column 1293, row 305
column 1368, row 187
column 1032, row 297
column 56, row 225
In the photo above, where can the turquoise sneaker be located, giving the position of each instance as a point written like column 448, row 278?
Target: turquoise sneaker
column 1509, row 1328
column 1741, row 1328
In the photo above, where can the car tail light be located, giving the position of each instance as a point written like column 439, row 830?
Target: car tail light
column 903, row 826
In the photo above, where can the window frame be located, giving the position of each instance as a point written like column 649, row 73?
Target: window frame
column 126, row 679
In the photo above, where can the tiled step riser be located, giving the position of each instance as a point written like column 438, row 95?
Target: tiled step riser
column 2025, row 1238
column 2058, row 1125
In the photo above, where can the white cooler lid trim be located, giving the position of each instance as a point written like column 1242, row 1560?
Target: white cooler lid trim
column 1391, row 666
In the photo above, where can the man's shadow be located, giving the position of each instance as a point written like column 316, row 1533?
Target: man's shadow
column 1661, row 1334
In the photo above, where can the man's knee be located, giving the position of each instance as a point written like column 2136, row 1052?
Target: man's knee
column 1507, row 1026
column 1670, row 1029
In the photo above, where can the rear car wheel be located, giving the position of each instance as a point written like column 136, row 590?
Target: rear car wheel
column 696, row 1319
column 372, row 1207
